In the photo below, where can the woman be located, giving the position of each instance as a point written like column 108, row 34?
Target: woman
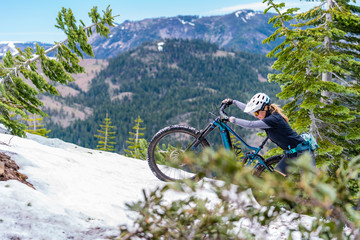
column 275, row 124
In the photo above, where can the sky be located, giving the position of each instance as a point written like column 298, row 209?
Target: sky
column 35, row 20
column 81, row 193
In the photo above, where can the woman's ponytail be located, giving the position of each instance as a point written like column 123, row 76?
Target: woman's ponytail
column 275, row 108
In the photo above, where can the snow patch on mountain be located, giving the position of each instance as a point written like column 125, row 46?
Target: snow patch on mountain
column 238, row 13
column 245, row 14
column 160, row 46
column 11, row 46
column 250, row 14
column 186, row 22
column 6, row 46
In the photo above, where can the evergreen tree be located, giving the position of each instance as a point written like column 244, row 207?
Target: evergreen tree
column 105, row 138
column 319, row 69
column 17, row 96
column 137, row 146
column 35, row 125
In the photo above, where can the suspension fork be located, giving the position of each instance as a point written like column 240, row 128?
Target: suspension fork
column 202, row 136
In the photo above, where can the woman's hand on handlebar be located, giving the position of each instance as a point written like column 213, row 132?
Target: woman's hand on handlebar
column 227, row 101
column 224, row 104
column 223, row 114
column 229, row 119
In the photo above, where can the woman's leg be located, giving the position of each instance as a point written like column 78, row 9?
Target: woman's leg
column 284, row 162
column 282, row 165
column 313, row 158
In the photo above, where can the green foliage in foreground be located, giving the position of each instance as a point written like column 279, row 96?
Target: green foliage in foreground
column 328, row 202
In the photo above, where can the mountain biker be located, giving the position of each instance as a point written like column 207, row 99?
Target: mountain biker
column 275, row 124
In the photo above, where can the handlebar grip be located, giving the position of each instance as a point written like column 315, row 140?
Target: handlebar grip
column 222, row 113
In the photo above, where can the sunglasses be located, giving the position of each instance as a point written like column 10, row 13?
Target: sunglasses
column 256, row 113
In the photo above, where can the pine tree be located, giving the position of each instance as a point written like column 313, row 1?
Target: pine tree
column 17, row 96
column 35, row 125
column 105, row 138
column 319, row 69
column 136, row 146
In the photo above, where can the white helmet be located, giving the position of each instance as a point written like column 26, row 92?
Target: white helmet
column 257, row 102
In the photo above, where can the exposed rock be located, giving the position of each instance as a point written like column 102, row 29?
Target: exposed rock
column 9, row 170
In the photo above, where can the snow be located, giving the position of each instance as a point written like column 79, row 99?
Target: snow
column 10, row 46
column 80, row 193
column 249, row 14
column 160, row 46
column 186, row 22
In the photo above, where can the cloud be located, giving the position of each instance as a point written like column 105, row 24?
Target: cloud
column 254, row 6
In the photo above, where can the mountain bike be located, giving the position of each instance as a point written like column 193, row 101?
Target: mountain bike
column 167, row 147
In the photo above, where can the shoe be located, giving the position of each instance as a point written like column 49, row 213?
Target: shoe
column 280, row 172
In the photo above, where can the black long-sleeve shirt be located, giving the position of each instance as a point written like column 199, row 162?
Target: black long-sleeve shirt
column 275, row 126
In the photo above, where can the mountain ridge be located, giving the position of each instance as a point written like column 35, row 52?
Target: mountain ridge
column 242, row 29
column 11, row 46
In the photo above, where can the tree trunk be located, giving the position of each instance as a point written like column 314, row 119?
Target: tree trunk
column 327, row 41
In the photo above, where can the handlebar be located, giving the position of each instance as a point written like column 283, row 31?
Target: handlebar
column 223, row 114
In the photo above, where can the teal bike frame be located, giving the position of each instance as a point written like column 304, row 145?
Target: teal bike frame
column 225, row 131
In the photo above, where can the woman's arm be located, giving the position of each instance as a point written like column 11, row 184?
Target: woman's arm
column 239, row 104
column 249, row 124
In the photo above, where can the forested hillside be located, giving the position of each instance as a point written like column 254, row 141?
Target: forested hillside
column 171, row 82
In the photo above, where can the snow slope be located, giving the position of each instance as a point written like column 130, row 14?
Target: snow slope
column 80, row 193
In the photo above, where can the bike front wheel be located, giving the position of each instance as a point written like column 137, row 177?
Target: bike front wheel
column 166, row 153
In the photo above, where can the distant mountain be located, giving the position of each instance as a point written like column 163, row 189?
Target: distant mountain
column 242, row 30
column 164, row 82
column 11, row 46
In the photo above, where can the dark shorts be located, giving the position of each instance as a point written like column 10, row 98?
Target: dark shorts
column 284, row 162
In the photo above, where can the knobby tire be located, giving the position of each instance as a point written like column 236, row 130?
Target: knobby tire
column 164, row 150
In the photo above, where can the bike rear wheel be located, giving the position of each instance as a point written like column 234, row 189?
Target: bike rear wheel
column 269, row 162
column 166, row 149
